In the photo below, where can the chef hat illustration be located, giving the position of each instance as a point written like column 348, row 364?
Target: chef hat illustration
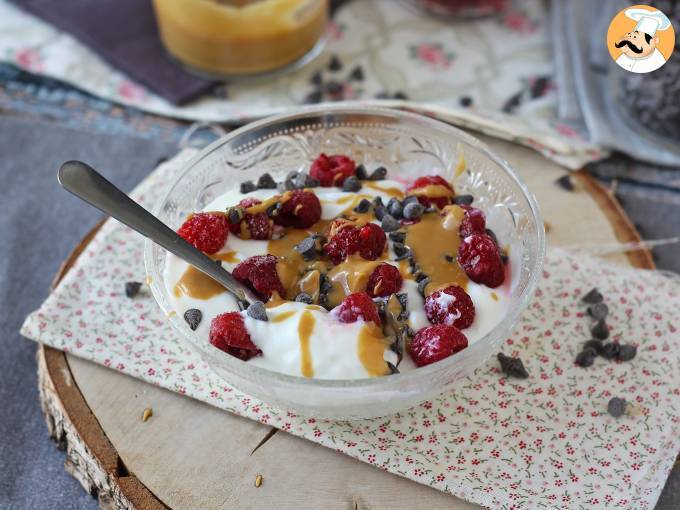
column 648, row 22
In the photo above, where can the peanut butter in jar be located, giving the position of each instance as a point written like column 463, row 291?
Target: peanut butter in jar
column 240, row 37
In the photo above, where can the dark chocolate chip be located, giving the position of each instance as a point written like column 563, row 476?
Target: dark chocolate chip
column 400, row 95
column 351, row 184
column 378, row 202
column 492, row 235
column 592, row 297
column 395, row 208
column 465, row 101
column 303, row 297
column 363, row 206
column 402, row 297
column 361, row 173
column 357, row 74
column 598, row 311
column 333, row 88
column 449, row 258
column 422, row 284
column 247, row 187
column 300, row 181
column 193, row 318
column 235, row 214
column 586, row 357
column 504, row 258
column 409, row 199
column 266, row 181
column 400, row 250
column 393, row 369
column 512, row 367
column 565, row 183
column 312, row 182
column 380, row 211
column 389, row 224
column 313, row 97
column 335, row 64
column 316, row 78
column 616, row 407
column 463, row 199
column 600, row 330
column 610, row 350
column 594, row 344
column 398, row 236
column 132, row 288
column 286, row 185
column 307, row 248
column 413, row 210
column 378, row 174
column 626, row 352
column 257, row 311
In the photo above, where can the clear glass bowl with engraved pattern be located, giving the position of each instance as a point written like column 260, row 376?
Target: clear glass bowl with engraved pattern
column 408, row 145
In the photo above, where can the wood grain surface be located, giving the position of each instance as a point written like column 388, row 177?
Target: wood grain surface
column 190, row 455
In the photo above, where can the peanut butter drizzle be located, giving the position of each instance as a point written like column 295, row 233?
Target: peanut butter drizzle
column 430, row 243
column 432, row 191
column 350, row 276
column 198, row 285
column 305, row 329
column 229, row 256
column 494, row 296
column 391, row 191
column 371, row 347
column 283, row 316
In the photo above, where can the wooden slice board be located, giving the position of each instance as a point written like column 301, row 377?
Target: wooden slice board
column 190, row 455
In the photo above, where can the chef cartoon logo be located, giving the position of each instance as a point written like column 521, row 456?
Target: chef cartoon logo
column 640, row 39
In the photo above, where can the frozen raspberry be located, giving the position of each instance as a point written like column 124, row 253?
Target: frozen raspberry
column 434, row 343
column 474, row 222
column 302, row 209
column 355, row 307
column 372, row 241
column 206, row 231
column 478, row 255
column 431, row 180
column 228, row 333
column 259, row 273
column 451, row 306
column 258, row 226
column 332, row 170
column 343, row 241
column 384, row 280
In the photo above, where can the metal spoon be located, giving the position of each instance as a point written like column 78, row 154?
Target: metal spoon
column 87, row 184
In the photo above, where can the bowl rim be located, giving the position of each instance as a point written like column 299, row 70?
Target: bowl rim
column 367, row 382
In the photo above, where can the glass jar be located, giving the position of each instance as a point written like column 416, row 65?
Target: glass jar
column 227, row 38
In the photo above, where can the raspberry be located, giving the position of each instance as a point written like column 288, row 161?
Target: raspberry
column 478, row 255
column 384, row 280
column 343, row 241
column 258, row 225
column 451, row 306
column 206, row 231
column 332, row 170
column 228, row 333
column 259, row 273
column 355, row 307
column 431, row 180
column 302, row 209
column 474, row 222
column 434, row 343
column 372, row 241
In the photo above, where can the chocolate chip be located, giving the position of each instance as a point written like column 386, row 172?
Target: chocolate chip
column 335, row 64
column 598, row 311
column 616, row 407
column 316, row 78
column 361, row 173
column 465, row 101
column 378, row 174
column 512, row 367
column 400, row 250
column 626, row 352
column 312, row 182
column 266, row 181
column 586, row 357
column 307, row 248
column 357, row 74
column 389, row 224
column 504, row 258
column 393, row 369
column 303, row 297
column 610, row 350
column 449, row 258
column 492, row 235
column 313, row 97
column 380, row 211
column 402, row 297
column 363, row 206
column 235, row 214
column 286, row 185
column 398, row 236
column 299, row 181
column 596, row 345
column 400, row 95
column 378, row 202
column 247, row 187
column 333, row 88
column 132, row 289
column 193, row 318
column 565, row 183
column 273, row 210
column 257, row 311
column 422, row 284
column 600, row 330
column 409, row 199
column 395, row 208
column 463, row 199
column 351, row 184
column 592, row 297
column 413, row 210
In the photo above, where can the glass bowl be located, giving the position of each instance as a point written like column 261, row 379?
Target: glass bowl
column 408, row 145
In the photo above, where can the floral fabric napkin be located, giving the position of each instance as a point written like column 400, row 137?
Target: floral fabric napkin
column 543, row 442
column 494, row 75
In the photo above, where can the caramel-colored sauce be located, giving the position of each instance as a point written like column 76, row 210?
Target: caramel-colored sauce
column 198, row 285
column 350, row 276
column 283, row 316
column 391, row 191
column 494, row 296
column 461, row 166
column 432, row 191
column 430, row 243
column 371, row 346
column 228, row 256
column 305, row 329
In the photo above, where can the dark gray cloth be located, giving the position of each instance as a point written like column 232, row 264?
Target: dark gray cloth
column 39, row 225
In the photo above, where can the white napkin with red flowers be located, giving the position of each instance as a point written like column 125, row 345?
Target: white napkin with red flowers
column 543, row 442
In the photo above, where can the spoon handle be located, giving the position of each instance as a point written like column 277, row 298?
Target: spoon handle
column 87, row 184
